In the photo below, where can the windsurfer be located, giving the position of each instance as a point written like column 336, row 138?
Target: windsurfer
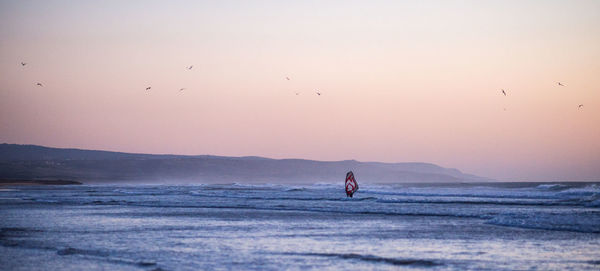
column 351, row 184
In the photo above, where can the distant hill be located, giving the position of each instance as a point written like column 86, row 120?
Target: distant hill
column 92, row 166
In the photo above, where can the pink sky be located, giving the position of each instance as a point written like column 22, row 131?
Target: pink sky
column 401, row 81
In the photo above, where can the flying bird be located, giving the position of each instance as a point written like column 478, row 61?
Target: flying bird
column 287, row 78
column 297, row 93
column 580, row 106
column 504, row 92
column 190, row 67
column 560, row 84
column 319, row 93
column 148, row 88
column 39, row 84
column 23, row 63
column 181, row 89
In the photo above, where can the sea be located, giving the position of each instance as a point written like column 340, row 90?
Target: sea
column 463, row 226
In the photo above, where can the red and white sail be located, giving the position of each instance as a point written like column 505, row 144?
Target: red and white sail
column 351, row 184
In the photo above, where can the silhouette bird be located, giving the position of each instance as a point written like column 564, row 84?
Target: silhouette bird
column 190, row 67
column 580, row 106
column 181, row 89
column 297, row 93
column 148, row 88
column 287, row 78
column 23, row 63
column 504, row 92
column 39, row 84
column 319, row 93
column 560, row 84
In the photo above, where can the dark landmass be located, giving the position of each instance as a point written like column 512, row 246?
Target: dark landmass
column 37, row 182
column 32, row 162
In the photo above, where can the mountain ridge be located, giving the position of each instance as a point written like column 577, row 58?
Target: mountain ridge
column 98, row 166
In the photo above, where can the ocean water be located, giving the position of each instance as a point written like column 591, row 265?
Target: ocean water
column 493, row 226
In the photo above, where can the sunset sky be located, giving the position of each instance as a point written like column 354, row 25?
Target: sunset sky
column 401, row 81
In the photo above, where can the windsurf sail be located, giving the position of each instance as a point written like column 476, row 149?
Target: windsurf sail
column 351, row 184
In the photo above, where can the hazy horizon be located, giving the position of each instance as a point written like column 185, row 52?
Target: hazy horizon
column 482, row 179
column 400, row 81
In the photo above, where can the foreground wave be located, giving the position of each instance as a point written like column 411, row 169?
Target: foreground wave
column 371, row 258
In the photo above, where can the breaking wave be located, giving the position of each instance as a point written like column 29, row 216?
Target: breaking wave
column 552, row 187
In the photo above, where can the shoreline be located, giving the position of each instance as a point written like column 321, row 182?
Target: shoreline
column 23, row 182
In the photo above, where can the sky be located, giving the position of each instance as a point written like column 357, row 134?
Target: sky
column 400, row 81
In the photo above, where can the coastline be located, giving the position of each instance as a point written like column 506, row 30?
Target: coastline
column 22, row 182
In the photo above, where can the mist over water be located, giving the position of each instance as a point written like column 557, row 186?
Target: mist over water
column 499, row 226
